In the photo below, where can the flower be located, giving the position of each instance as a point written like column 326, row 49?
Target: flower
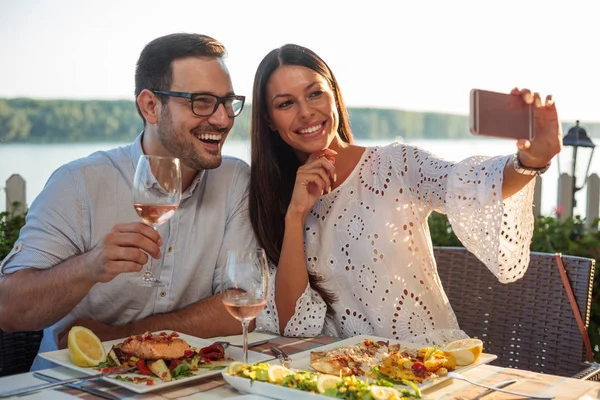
column 559, row 210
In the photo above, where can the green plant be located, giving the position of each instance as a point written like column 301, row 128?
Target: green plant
column 441, row 231
column 550, row 235
column 10, row 226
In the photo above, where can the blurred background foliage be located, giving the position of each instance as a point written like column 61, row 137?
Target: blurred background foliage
column 25, row 120
column 10, row 226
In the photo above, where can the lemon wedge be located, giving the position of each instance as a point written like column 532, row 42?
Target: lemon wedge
column 384, row 393
column 276, row 373
column 327, row 381
column 234, row 367
column 465, row 351
column 85, row 348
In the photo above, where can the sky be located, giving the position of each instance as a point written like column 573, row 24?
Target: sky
column 413, row 55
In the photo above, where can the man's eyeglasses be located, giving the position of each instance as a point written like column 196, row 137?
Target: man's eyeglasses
column 205, row 105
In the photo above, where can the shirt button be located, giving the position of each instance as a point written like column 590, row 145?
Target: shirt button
column 163, row 293
column 170, row 249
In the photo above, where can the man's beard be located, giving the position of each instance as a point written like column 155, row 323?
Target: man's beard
column 182, row 144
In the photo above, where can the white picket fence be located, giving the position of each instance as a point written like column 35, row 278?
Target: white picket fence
column 592, row 192
column 15, row 192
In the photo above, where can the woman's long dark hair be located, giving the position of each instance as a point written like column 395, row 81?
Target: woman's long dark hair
column 274, row 164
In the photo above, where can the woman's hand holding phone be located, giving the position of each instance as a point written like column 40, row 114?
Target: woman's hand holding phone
column 547, row 142
column 520, row 115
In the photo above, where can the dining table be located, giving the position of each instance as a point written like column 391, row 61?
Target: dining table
column 215, row 387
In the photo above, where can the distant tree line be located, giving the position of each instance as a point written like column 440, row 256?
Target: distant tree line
column 63, row 121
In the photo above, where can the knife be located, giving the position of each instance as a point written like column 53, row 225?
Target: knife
column 78, row 386
column 281, row 355
column 37, row 388
column 253, row 344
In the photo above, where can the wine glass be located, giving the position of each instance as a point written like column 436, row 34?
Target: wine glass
column 245, row 286
column 156, row 196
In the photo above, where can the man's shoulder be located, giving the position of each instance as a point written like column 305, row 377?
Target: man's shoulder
column 231, row 160
column 233, row 173
column 231, row 165
column 113, row 157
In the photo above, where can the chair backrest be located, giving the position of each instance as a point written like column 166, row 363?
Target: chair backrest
column 17, row 351
column 529, row 324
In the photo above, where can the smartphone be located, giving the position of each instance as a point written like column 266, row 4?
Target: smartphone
column 500, row 115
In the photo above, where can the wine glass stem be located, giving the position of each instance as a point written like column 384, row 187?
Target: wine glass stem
column 149, row 266
column 245, row 324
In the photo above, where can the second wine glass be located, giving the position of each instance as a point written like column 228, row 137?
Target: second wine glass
column 245, row 287
column 156, row 197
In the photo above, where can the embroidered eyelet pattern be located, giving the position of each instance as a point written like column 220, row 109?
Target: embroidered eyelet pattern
column 370, row 242
column 354, row 323
column 323, row 206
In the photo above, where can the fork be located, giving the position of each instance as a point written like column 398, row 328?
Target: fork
column 456, row 375
column 78, row 386
column 498, row 385
column 37, row 388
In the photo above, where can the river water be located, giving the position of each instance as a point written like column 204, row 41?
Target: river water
column 35, row 162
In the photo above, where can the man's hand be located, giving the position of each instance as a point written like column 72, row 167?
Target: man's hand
column 103, row 331
column 124, row 249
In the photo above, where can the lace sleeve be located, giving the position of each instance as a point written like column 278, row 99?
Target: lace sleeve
column 267, row 320
column 498, row 232
column 308, row 320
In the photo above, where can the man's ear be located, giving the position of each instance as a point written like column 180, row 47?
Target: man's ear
column 149, row 106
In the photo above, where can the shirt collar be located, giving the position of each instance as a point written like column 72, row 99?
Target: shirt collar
column 136, row 150
column 197, row 180
column 136, row 153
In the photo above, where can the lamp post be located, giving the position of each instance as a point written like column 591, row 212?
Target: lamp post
column 577, row 137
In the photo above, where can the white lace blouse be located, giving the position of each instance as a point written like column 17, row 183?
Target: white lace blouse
column 369, row 240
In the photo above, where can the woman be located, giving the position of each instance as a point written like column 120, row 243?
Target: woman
column 346, row 225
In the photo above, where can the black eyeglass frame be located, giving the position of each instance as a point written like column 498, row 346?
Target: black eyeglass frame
column 192, row 96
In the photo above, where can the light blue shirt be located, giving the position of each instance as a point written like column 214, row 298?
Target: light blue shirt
column 84, row 199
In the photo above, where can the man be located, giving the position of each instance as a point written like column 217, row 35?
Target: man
column 83, row 241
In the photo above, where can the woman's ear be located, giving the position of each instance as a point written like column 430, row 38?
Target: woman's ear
column 149, row 106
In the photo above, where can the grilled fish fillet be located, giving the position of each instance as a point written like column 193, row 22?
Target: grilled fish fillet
column 155, row 347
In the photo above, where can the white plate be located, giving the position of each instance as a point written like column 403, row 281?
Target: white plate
column 302, row 360
column 245, row 385
column 62, row 357
column 264, row 389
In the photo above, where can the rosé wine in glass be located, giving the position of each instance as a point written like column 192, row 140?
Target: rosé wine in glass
column 153, row 214
column 243, row 308
column 156, row 197
column 245, row 287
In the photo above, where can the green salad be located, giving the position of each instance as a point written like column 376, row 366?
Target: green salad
column 347, row 387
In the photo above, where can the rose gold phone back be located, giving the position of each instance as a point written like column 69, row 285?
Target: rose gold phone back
column 500, row 115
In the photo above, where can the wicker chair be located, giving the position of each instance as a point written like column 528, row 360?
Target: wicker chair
column 17, row 351
column 528, row 324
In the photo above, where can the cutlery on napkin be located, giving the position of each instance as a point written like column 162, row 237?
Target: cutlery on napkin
column 37, row 388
